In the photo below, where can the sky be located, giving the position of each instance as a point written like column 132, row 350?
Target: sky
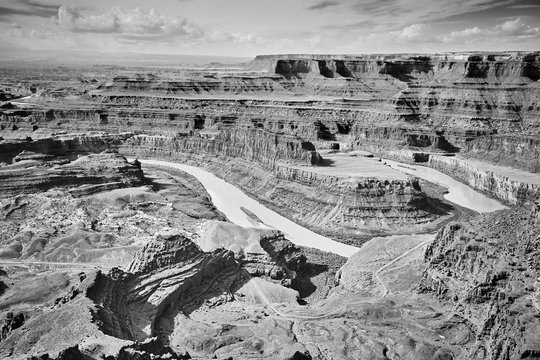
column 246, row 28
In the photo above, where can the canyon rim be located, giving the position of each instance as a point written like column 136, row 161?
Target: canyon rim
column 283, row 199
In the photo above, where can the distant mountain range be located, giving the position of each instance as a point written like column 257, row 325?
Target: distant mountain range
column 99, row 58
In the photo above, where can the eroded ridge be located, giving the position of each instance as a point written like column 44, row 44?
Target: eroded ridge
column 177, row 213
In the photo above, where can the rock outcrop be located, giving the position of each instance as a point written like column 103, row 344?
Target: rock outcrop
column 259, row 146
column 496, row 185
column 192, row 287
column 165, row 251
column 12, row 322
column 326, row 202
column 66, row 146
column 132, row 306
column 107, row 170
column 449, row 102
column 488, row 269
column 172, row 275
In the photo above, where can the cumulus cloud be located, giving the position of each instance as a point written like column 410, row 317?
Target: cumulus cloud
column 422, row 33
column 412, row 32
column 517, row 27
column 246, row 38
column 130, row 23
column 463, row 34
column 217, row 36
column 510, row 29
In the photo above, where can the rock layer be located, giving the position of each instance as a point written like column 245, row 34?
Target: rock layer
column 106, row 170
column 488, row 269
column 496, row 185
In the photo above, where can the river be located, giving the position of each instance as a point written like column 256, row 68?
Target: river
column 458, row 193
column 230, row 200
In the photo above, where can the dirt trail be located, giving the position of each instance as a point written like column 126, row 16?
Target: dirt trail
column 387, row 265
column 267, row 303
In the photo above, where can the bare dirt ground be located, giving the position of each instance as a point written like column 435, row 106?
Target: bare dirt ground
column 355, row 165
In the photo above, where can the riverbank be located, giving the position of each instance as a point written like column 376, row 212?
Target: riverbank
column 230, row 200
column 234, row 202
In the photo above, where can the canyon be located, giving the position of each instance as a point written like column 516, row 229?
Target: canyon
column 291, row 207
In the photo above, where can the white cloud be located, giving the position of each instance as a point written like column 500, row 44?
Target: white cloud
column 134, row 23
column 246, row 38
column 510, row 29
column 463, row 34
column 412, row 32
column 516, row 27
column 217, row 36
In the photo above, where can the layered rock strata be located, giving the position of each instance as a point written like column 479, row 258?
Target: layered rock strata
column 97, row 172
column 496, row 185
column 488, row 269
column 324, row 203
column 450, row 102
column 172, row 275
column 256, row 145
column 68, row 146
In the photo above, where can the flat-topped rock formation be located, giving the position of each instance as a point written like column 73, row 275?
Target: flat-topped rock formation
column 81, row 176
column 60, row 145
column 470, row 103
column 508, row 67
column 308, row 137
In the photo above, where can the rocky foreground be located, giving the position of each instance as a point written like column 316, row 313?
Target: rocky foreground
column 105, row 258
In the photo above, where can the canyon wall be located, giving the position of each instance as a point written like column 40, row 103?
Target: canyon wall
column 261, row 146
column 471, row 103
column 286, row 107
column 514, row 67
column 487, row 269
column 62, row 146
column 327, row 204
column 83, row 176
column 256, row 161
column 496, row 185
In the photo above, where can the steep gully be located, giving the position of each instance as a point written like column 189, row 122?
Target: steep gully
column 230, row 200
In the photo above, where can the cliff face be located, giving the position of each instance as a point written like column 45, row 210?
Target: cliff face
column 255, row 145
column 488, row 268
column 326, row 203
column 496, row 185
column 522, row 152
column 97, row 171
column 171, row 275
column 476, row 104
column 61, row 146
column 510, row 67
column 359, row 204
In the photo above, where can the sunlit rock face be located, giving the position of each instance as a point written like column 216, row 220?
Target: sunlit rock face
column 459, row 103
column 487, row 269
column 86, row 174
column 107, row 257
